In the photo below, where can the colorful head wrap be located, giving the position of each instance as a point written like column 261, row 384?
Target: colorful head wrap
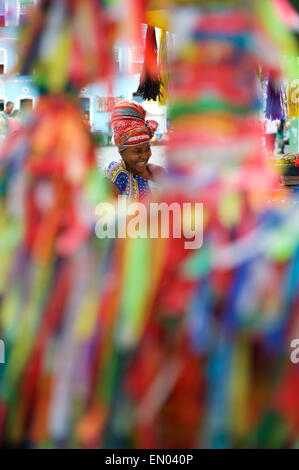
column 129, row 125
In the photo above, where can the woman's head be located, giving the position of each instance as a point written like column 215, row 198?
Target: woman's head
column 136, row 157
column 131, row 130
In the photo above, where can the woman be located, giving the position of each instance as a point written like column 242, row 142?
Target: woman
column 133, row 176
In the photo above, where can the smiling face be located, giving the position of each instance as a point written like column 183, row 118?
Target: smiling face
column 136, row 157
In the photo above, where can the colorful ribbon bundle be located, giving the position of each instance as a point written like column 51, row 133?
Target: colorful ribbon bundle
column 274, row 101
column 49, row 258
column 150, row 81
column 60, row 45
column 216, row 325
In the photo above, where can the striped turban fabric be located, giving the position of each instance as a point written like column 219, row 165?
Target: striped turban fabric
column 129, row 125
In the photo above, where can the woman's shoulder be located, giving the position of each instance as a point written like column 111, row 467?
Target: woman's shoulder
column 118, row 175
column 114, row 165
column 114, row 169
